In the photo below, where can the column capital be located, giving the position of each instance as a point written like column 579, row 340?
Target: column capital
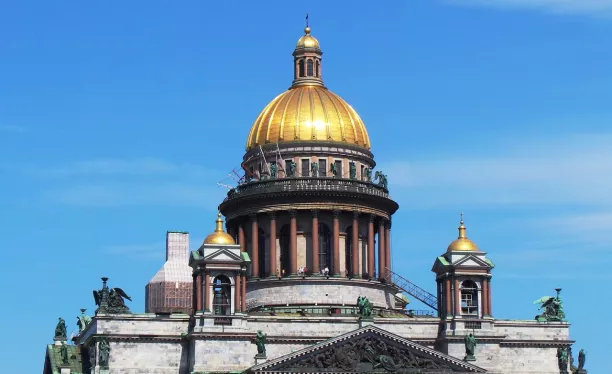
column 336, row 213
column 272, row 214
column 315, row 213
column 292, row 213
column 253, row 217
column 389, row 224
column 371, row 218
column 356, row 214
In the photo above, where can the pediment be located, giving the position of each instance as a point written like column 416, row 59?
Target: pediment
column 223, row 255
column 472, row 261
column 366, row 350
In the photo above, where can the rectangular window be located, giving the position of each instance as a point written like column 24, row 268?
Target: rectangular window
column 305, row 167
column 323, row 172
column 361, row 174
column 338, row 168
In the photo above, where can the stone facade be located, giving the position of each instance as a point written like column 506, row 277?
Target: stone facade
column 149, row 343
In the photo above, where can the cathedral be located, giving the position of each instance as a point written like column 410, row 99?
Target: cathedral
column 297, row 276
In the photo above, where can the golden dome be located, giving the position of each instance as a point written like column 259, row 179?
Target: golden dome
column 219, row 236
column 462, row 243
column 307, row 41
column 308, row 113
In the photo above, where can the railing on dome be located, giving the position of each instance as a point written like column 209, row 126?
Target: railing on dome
column 337, row 311
column 291, row 184
column 412, row 289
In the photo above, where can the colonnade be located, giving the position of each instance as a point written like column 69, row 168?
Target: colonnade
column 377, row 226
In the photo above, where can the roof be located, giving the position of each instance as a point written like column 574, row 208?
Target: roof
column 53, row 359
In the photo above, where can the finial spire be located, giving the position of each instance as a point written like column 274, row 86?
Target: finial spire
column 306, row 19
column 219, row 223
column 462, row 228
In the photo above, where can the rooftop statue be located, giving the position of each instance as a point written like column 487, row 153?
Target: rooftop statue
column 562, row 358
column 292, row 167
column 334, row 169
column 83, row 320
column 367, row 174
column 382, row 179
column 314, row 169
column 260, row 340
column 273, row 170
column 111, row 301
column 352, row 170
column 581, row 359
column 470, row 347
column 104, row 348
column 365, row 307
column 63, row 351
column 553, row 308
column 60, row 329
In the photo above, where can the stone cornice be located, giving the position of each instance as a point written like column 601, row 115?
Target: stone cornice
column 537, row 343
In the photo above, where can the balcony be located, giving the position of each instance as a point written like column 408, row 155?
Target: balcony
column 307, row 184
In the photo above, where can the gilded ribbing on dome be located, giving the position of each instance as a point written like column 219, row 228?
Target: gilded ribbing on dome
column 308, row 112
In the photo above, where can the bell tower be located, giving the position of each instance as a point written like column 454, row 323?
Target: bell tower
column 463, row 277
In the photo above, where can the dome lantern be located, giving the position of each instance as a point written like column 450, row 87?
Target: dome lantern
column 307, row 60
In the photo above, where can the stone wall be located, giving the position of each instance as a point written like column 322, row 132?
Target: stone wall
column 320, row 291
column 127, row 357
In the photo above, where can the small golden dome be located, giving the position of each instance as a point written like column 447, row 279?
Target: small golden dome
column 219, row 236
column 307, row 41
column 308, row 113
column 462, row 243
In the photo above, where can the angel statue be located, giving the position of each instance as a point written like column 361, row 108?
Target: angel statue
column 382, row 179
column 553, row 308
column 111, row 301
column 83, row 320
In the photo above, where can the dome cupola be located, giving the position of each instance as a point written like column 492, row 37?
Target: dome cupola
column 219, row 236
column 462, row 243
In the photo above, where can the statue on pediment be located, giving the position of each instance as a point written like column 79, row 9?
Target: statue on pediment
column 470, row 347
column 83, row 320
column 365, row 307
column 111, row 300
column 60, row 329
column 260, row 341
column 63, row 352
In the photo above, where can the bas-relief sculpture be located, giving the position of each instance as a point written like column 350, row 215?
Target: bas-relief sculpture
column 111, row 301
column 368, row 354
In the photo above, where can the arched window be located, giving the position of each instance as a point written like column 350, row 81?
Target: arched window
column 284, row 250
column 301, row 68
column 309, row 68
column 318, row 71
column 222, row 296
column 262, row 252
column 325, row 249
column 469, row 298
column 348, row 253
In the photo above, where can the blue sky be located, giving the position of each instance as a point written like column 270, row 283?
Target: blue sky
column 117, row 120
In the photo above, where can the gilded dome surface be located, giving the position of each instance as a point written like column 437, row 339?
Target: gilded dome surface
column 307, row 41
column 219, row 236
column 307, row 113
column 462, row 243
